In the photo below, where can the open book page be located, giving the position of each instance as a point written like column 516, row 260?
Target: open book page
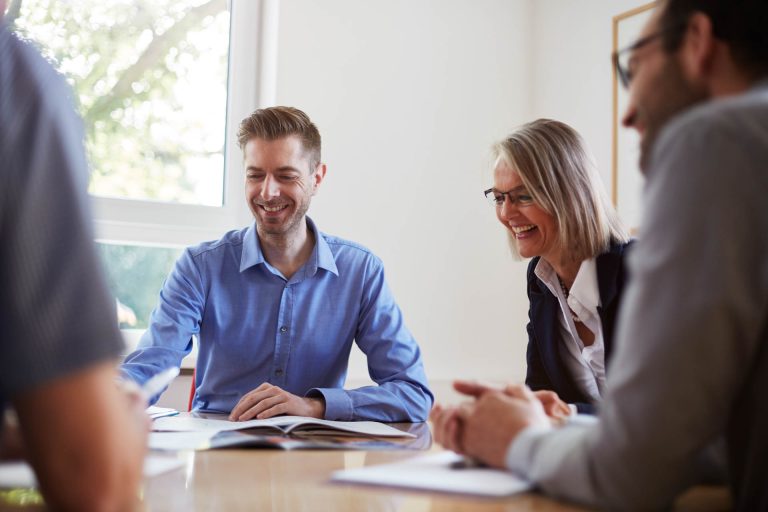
column 281, row 424
column 437, row 472
column 241, row 439
column 365, row 428
column 196, row 441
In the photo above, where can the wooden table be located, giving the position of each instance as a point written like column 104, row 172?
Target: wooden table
column 243, row 479
column 235, row 480
column 275, row 480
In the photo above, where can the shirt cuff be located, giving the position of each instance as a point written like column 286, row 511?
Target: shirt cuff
column 574, row 409
column 519, row 450
column 338, row 404
column 582, row 419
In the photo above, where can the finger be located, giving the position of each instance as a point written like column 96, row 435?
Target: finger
column 252, row 399
column 265, row 386
column 548, row 401
column 465, row 411
column 438, row 422
column 437, row 409
column 515, row 390
column 242, row 405
column 520, row 391
column 450, row 434
column 528, row 394
column 263, row 405
column 454, row 434
column 440, row 425
column 546, row 396
column 447, row 429
column 471, row 388
column 276, row 410
column 552, row 404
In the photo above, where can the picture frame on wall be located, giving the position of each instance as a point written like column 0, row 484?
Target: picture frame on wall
column 627, row 180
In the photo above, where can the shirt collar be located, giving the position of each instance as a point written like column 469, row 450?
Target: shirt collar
column 584, row 287
column 321, row 257
column 546, row 275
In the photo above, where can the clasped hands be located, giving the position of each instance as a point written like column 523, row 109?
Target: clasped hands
column 269, row 400
column 485, row 427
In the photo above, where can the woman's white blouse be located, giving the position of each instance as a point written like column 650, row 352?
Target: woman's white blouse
column 586, row 363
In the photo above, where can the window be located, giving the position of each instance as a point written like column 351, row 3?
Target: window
column 162, row 86
column 150, row 80
column 135, row 274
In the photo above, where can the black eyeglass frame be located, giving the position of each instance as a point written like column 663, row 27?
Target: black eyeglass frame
column 490, row 196
column 625, row 77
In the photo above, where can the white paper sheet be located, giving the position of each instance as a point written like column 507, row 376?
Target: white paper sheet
column 180, row 440
column 434, row 473
column 19, row 474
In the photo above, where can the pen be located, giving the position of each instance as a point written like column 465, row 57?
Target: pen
column 467, row 463
column 159, row 381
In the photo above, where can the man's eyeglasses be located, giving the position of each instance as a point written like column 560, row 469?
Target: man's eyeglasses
column 622, row 59
column 496, row 198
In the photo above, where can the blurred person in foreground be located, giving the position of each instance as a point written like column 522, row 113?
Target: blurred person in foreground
column 691, row 362
column 59, row 343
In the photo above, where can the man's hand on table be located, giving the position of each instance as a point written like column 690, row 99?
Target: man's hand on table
column 268, row 400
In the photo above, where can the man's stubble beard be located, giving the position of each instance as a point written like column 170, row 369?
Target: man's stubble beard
column 678, row 95
column 296, row 222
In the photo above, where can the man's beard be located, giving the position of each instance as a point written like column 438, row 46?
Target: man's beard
column 291, row 225
column 675, row 95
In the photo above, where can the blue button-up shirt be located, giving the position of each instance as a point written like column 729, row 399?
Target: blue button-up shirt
column 256, row 326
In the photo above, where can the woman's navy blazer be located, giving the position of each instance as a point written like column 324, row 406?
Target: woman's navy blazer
column 546, row 369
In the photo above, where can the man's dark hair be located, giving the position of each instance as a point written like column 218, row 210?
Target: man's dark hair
column 743, row 24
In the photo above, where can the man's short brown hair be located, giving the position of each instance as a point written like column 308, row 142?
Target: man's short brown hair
column 278, row 122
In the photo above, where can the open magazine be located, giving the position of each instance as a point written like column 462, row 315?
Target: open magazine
column 175, row 441
column 186, row 432
column 280, row 425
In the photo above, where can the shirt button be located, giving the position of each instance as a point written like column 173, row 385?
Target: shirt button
column 283, row 329
column 278, row 372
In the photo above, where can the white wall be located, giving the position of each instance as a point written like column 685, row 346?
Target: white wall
column 408, row 96
column 572, row 44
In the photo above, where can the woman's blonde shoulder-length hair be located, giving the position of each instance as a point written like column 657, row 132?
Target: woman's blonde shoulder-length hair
column 552, row 161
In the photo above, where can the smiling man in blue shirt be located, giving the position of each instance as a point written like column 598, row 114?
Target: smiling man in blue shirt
column 276, row 306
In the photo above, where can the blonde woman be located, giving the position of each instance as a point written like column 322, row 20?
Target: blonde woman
column 549, row 197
